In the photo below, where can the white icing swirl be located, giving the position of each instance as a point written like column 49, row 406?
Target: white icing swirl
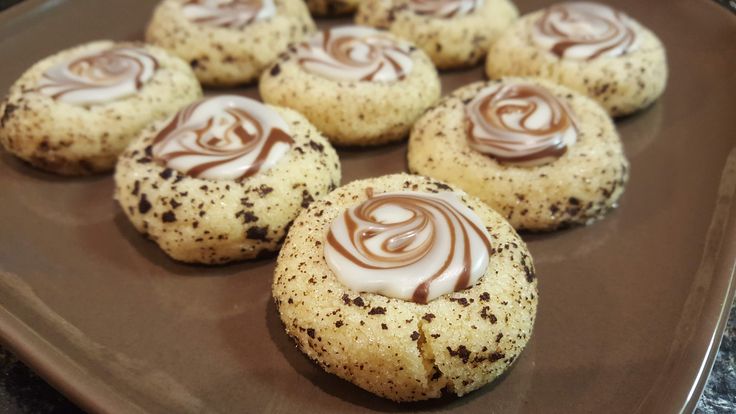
column 356, row 53
column 584, row 31
column 444, row 8
column 99, row 77
column 521, row 124
column 227, row 137
column 233, row 14
column 408, row 245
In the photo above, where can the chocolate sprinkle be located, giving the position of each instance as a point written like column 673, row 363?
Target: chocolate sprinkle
column 144, row 205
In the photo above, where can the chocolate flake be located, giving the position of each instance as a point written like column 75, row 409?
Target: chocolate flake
column 436, row 375
column 9, row 109
column 257, row 233
column 461, row 301
column 275, row 70
column 306, row 198
column 144, row 205
column 166, row 173
column 487, row 315
column 442, row 186
column 496, row 356
column 462, row 352
column 530, row 276
column 263, row 190
column 316, row 146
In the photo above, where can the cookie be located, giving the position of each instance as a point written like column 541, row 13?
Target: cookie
column 332, row 7
column 589, row 47
column 223, row 179
column 74, row 112
column 406, row 287
column 358, row 85
column 454, row 33
column 542, row 155
column 228, row 42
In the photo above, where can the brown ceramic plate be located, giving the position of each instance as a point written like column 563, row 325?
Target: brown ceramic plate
column 631, row 309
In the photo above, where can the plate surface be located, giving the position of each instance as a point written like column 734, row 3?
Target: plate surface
column 631, row 309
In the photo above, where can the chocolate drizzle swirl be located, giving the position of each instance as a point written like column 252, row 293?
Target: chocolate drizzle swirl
column 225, row 137
column 585, row 31
column 232, row 14
column 519, row 124
column 446, row 9
column 99, row 77
column 408, row 245
column 356, row 53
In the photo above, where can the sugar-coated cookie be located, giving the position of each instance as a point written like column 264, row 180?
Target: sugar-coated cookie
column 406, row 287
column 542, row 155
column 223, row 179
column 454, row 33
column 228, row 42
column 74, row 112
column 589, row 47
column 358, row 85
column 332, row 7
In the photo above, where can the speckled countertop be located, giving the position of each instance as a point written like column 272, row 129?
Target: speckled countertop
column 22, row 391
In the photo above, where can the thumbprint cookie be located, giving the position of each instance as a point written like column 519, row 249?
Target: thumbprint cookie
column 223, row 179
column 589, row 47
column 454, row 33
column 228, row 42
column 406, row 287
column 74, row 112
column 542, row 155
column 358, row 85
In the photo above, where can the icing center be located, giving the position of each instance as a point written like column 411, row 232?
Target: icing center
column 225, row 137
column 444, row 8
column 99, row 77
column 520, row 124
column 408, row 245
column 582, row 30
column 233, row 14
column 355, row 53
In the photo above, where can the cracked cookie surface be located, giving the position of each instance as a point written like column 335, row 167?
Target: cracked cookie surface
column 394, row 348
